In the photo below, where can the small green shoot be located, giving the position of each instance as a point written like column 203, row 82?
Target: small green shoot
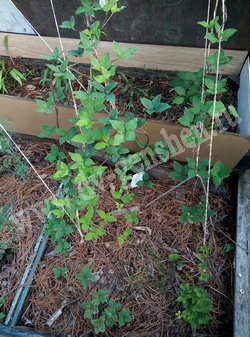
column 59, row 271
column 228, row 247
column 154, row 105
column 85, row 276
column 2, row 315
column 122, row 237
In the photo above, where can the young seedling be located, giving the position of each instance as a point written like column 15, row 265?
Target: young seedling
column 154, row 105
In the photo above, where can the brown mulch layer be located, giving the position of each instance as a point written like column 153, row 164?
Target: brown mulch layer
column 138, row 274
column 128, row 91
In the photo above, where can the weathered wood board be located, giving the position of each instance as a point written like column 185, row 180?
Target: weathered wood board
column 244, row 98
column 164, row 22
column 20, row 116
column 242, row 261
column 168, row 58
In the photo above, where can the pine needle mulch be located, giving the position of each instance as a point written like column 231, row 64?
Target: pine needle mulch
column 138, row 274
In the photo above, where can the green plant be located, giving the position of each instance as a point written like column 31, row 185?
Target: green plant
column 6, row 223
column 145, row 181
column 99, row 309
column 122, row 237
column 154, row 105
column 10, row 161
column 175, row 260
column 132, row 217
column 203, row 266
column 1, row 304
column 55, row 153
column 133, row 91
column 196, row 305
column 194, row 91
column 4, row 245
column 228, row 247
column 76, row 209
column 7, row 75
column 195, row 214
column 187, row 86
column 191, row 170
column 59, row 271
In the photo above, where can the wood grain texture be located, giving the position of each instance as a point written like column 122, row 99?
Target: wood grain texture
column 156, row 57
column 242, row 262
column 20, row 116
column 163, row 22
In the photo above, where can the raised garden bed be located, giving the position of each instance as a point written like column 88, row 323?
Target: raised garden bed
column 139, row 275
column 129, row 91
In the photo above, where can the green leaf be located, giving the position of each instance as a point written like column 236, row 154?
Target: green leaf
column 187, row 118
column 59, row 271
column 204, row 277
column 118, row 125
column 228, row 247
column 85, row 276
column 131, row 125
column 232, row 111
column 219, row 172
column 147, row 103
column 211, row 37
column 228, row 33
column 68, row 24
column 117, row 49
column 99, row 324
column 129, row 135
column 118, row 139
column 124, row 317
column 62, row 247
column 128, row 53
column 180, row 91
column 191, row 163
column 76, row 157
column 122, row 237
column 100, row 296
column 58, row 202
column 83, row 137
column 47, row 131
column 177, row 167
column 203, row 24
column 100, row 145
column 209, row 84
column 90, row 309
column 116, row 195
column 102, row 214
column 178, row 100
column 17, row 75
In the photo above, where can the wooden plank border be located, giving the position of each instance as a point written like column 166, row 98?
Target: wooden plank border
column 228, row 147
column 242, row 261
column 156, row 57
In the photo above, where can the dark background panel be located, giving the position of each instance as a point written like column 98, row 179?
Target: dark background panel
column 166, row 22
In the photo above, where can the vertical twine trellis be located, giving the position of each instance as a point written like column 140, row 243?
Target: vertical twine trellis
column 207, row 48
column 197, row 149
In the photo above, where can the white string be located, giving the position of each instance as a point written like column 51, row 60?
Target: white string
column 28, row 161
column 213, row 119
column 57, row 28
column 206, row 53
column 78, row 226
column 48, row 46
column 33, row 28
column 9, row 136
